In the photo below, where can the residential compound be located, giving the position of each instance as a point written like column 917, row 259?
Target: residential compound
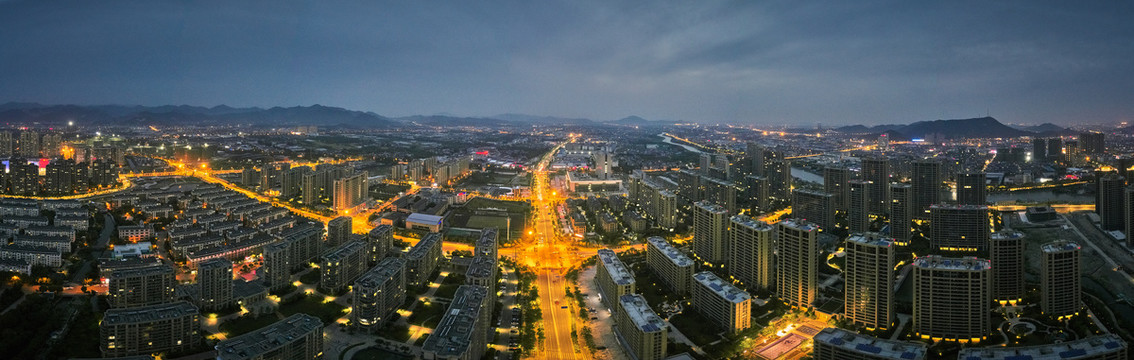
column 613, row 278
column 670, row 265
column 1101, row 347
column 640, row 329
column 726, row 306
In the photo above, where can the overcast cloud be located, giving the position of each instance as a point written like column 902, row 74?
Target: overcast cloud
column 839, row 62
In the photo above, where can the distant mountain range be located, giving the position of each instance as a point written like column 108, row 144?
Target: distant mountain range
column 14, row 112
column 983, row 127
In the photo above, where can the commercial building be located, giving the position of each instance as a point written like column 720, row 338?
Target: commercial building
column 299, row 336
column 858, row 216
column 710, row 232
column 959, row 227
column 378, row 294
column 1006, row 250
column 835, row 183
column 422, row 259
column 726, row 306
column 814, row 206
column 797, row 269
column 141, row 286
column 214, row 280
column 868, row 296
column 164, row 328
column 342, row 265
column 640, row 329
column 901, row 212
column 951, row 298
column 669, row 264
column 613, row 278
column 876, row 171
column 971, row 189
column 427, row 222
column 462, row 333
column 1101, row 347
column 1060, row 285
column 381, row 240
column 339, row 230
column 840, row 344
column 752, row 255
column 926, row 183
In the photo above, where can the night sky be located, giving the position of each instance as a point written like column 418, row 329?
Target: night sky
column 788, row 62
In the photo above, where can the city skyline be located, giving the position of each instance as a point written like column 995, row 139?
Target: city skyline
column 833, row 64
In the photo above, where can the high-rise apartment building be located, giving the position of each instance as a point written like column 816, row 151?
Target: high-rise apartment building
column 720, row 192
column 868, row 295
column 1006, row 250
column 613, row 278
column 726, row 306
column 778, row 173
column 1110, row 202
column 797, row 268
column 299, row 336
column 751, row 255
column 342, row 265
column 1060, row 285
column 1128, row 197
column 1093, row 142
column 959, row 227
column 422, row 259
column 640, row 328
column 277, row 265
column 971, row 189
column 814, row 206
column 840, row 344
column 171, row 328
column 901, row 212
column 350, row 191
column 835, row 183
column 378, row 294
column 858, row 216
column 462, row 333
column 876, row 170
column 669, row 264
column 214, row 279
column 29, row 144
column 926, row 186
column 141, row 286
column 1055, row 149
column 339, row 230
column 710, row 232
column 951, row 298
column 381, row 240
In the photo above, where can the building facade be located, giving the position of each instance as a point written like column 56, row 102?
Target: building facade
column 1060, row 285
column 669, row 264
column 868, row 295
column 952, row 298
column 726, row 306
column 797, row 268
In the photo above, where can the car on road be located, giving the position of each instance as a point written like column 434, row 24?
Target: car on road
column 514, row 332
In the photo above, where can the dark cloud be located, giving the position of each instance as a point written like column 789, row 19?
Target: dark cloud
column 750, row 62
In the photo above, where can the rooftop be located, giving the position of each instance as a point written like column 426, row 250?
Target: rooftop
column 748, row 222
column 676, row 256
column 864, row 344
column 385, row 269
column 144, row 314
column 1006, row 234
column 422, row 247
column 870, row 238
column 711, row 207
column 800, row 224
column 453, row 335
column 958, row 207
column 944, row 263
column 344, row 250
column 641, row 314
column 421, row 218
column 1060, row 246
column 269, row 338
column 619, row 273
column 722, row 288
column 1088, row 348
